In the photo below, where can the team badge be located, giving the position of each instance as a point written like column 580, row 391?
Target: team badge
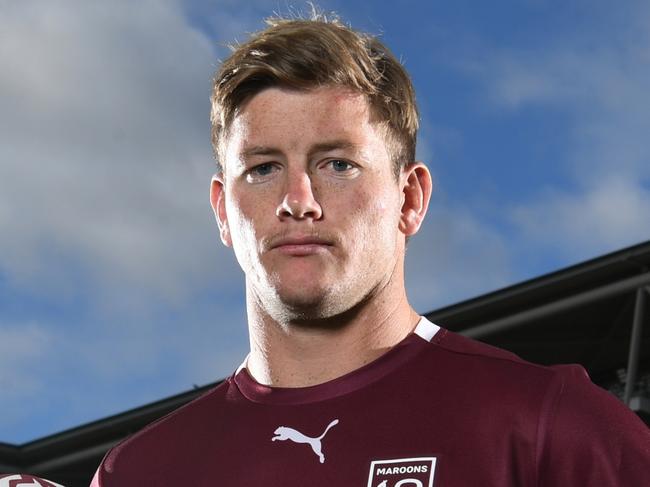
column 402, row 472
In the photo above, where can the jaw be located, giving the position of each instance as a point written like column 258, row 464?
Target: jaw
column 329, row 303
column 304, row 302
column 303, row 286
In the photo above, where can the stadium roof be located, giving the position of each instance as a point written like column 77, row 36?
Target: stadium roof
column 581, row 314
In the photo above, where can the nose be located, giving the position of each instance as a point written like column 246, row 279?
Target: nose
column 299, row 201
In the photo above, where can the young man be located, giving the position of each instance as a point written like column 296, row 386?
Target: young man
column 317, row 192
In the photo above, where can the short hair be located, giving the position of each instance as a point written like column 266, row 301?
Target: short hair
column 304, row 54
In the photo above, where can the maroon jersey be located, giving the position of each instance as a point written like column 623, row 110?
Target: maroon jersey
column 438, row 410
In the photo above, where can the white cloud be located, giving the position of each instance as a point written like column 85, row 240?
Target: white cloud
column 105, row 166
column 589, row 222
column 600, row 85
column 105, row 149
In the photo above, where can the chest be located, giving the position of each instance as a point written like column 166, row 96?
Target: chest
column 375, row 440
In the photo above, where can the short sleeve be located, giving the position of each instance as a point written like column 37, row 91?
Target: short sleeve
column 589, row 437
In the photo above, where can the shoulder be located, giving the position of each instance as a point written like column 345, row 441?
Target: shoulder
column 587, row 436
column 555, row 386
column 501, row 381
column 171, row 436
column 471, row 358
column 583, row 434
column 562, row 384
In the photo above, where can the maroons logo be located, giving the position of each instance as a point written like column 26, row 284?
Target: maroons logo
column 402, row 472
column 23, row 480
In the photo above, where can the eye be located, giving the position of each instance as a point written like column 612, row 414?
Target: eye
column 339, row 165
column 260, row 172
column 341, row 169
column 263, row 169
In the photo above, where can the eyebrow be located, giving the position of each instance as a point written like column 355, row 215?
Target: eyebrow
column 263, row 150
column 329, row 146
column 260, row 150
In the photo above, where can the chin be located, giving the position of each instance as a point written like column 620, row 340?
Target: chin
column 317, row 311
column 307, row 306
column 301, row 293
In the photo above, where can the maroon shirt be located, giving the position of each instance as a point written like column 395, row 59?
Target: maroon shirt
column 438, row 410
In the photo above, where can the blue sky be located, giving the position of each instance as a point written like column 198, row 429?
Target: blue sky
column 114, row 288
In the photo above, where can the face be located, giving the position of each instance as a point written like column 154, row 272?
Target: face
column 309, row 202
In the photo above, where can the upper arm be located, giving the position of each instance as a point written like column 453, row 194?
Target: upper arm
column 591, row 438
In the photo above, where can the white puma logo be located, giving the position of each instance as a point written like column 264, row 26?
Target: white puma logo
column 285, row 433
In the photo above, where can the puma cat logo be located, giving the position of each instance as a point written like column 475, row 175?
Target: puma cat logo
column 285, row 433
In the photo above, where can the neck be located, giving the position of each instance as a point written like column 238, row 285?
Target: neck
column 292, row 354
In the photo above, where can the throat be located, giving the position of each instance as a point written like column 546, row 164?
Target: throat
column 310, row 364
column 306, row 355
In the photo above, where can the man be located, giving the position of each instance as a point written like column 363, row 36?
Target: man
column 314, row 128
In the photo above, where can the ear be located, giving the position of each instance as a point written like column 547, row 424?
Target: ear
column 416, row 184
column 218, row 202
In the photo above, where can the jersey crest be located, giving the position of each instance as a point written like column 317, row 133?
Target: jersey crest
column 402, row 472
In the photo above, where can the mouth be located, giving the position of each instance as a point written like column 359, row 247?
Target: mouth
column 301, row 245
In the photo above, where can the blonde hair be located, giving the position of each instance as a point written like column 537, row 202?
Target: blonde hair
column 305, row 54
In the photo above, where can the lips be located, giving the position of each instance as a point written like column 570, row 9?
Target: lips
column 300, row 245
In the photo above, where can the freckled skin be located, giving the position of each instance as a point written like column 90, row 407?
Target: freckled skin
column 318, row 220
column 358, row 210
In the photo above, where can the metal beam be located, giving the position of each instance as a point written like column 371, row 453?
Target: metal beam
column 635, row 345
column 532, row 315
